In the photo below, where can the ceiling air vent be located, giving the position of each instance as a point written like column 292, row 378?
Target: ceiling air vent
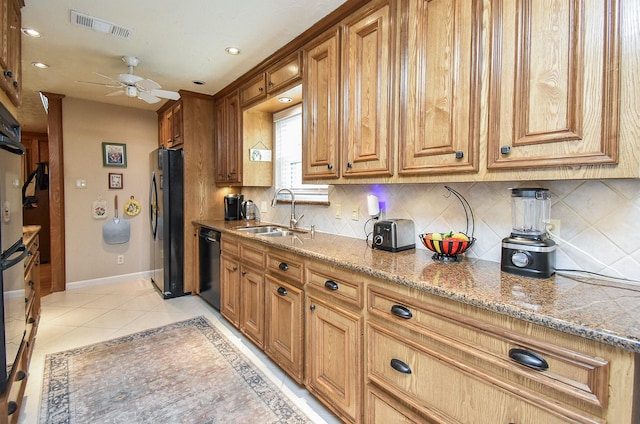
column 99, row 25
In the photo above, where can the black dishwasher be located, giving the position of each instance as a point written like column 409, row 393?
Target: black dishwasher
column 210, row 266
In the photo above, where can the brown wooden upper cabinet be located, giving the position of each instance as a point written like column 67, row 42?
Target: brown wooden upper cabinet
column 228, row 141
column 282, row 75
column 441, row 53
column 555, row 93
column 348, row 96
column 11, row 49
column 171, row 126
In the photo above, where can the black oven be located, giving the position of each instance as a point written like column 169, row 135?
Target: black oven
column 13, row 251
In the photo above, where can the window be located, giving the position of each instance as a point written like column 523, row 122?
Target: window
column 288, row 140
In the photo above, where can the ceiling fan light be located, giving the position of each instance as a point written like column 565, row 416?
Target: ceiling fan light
column 131, row 91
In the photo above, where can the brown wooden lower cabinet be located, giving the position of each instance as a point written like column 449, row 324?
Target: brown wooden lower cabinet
column 284, row 335
column 378, row 352
column 230, row 289
column 334, row 357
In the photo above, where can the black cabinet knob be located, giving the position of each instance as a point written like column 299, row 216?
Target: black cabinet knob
column 349, row 165
column 282, row 291
column 330, row 166
column 11, row 407
column 312, row 307
column 8, row 74
column 459, row 154
column 283, row 266
column 505, row 150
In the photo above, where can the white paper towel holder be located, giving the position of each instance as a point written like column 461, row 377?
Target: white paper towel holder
column 373, row 206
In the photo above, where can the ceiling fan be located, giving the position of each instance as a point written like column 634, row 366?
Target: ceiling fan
column 133, row 85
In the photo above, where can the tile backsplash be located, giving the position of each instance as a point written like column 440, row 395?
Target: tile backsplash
column 599, row 219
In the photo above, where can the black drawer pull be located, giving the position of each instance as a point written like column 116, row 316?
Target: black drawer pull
column 528, row 359
column 282, row 291
column 31, row 283
column 32, row 320
column 400, row 366
column 11, row 407
column 20, row 375
column 331, row 285
column 401, row 311
column 283, row 266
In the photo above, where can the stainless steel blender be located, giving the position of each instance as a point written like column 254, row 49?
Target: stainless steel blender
column 529, row 251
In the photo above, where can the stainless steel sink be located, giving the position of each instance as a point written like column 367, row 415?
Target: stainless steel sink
column 261, row 229
column 269, row 231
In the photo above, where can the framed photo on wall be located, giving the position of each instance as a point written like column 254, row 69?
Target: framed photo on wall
column 115, row 181
column 114, row 154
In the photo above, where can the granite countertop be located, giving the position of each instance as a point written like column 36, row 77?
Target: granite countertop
column 597, row 309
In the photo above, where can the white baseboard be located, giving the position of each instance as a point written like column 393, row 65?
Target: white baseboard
column 107, row 280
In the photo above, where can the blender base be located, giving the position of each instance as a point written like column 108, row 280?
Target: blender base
column 528, row 257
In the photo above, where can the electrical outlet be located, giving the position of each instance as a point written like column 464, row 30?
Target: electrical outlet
column 354, row 213
column 338, row 211
column 554, row 228
column 120, row 259
column 263, row 206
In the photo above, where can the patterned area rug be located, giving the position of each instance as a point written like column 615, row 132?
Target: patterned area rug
column 185, row 372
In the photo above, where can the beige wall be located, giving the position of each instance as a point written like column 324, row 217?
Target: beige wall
column 85, row 126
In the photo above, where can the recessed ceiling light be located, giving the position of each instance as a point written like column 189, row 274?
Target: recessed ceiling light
column 31, row 32
column 232, row 50
column 40, row 65
column 285, row 99
column 198, row 82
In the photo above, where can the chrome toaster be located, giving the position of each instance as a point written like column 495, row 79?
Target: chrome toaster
column 394, row 235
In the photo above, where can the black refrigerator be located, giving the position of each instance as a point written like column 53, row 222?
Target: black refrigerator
column 166, row 210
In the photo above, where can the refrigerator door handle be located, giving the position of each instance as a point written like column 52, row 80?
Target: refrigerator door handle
column 153, row 205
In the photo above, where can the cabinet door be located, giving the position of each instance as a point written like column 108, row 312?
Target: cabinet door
column 176, row 125
column 368, row 58
column 230, row 289
column 320, row 107
column 11, row 52
column 253, row 90
column 284, row 74
column 228, row 153
column 554, row 93
column 284, row 326
column 252, row 300
column 334, row 365
column 440, row 87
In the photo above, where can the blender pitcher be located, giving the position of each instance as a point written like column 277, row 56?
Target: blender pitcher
column 530, row 212
column 529, row 252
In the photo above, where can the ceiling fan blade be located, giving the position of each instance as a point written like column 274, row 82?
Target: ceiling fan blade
column 148, row 97
column 115, row 93
column 165, row 94
column 100, row 83
column 115, row 81
column 147, row 85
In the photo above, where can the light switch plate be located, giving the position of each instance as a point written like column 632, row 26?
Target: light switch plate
column 263, row 206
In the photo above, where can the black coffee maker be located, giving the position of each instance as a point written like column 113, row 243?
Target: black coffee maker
column 233, row 207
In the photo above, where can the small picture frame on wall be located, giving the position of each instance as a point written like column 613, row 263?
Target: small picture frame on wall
column 115, row 181
column 114, row 154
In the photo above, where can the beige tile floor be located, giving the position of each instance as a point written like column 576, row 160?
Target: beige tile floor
column 91, row 313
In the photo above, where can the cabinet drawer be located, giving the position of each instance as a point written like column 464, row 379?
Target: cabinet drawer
column 574, row 377
column 230, row 247
column 414, row 373
column 285, row 265
column 337, row 283
column 381, row 408
column 252, row 255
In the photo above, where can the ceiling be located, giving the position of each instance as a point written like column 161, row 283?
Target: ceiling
column 175, row 45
